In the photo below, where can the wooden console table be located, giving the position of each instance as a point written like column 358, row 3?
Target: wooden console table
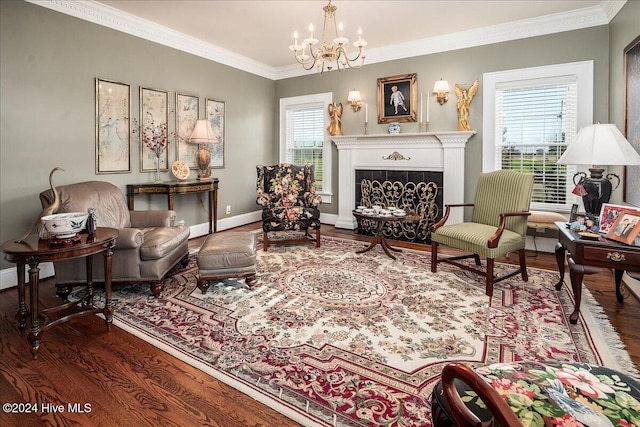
column 33, row 251
column 171, row 188
column 589, row 257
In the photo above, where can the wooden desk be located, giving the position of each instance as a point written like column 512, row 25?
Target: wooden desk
column 170, row 188
column 590, row 256
column 33, row 251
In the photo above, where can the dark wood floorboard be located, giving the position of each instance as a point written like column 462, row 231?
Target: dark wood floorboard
column 130, row 382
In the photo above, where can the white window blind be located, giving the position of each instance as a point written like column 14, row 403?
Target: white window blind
column 305, row 138
column 535, row 120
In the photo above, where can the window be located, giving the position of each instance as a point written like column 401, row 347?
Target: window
column 303, row 136
column 530, row 116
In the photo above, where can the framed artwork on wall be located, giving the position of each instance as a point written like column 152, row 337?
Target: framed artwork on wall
column 113, row 127
column 398, row 98
column 154, row 137
column 632, row 118
column 216, row 116
column 187, row 113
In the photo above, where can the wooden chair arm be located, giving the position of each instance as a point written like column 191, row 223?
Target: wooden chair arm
column 444, row 219
column 461, row 414
column 493, row 240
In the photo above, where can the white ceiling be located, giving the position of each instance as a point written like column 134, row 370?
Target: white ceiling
column 258, row 33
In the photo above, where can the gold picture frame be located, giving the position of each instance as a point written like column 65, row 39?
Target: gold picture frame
column 398, row 98
column 113, row 127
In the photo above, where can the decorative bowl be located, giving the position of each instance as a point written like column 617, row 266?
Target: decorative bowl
column 65, row 225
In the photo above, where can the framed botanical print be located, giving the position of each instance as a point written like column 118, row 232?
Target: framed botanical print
column 398, row 98
column 113, row 127
column 632, row 118
column 154, row 137
column 187, row 113
column 216, row 116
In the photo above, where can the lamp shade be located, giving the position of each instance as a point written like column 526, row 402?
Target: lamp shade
column 441, row 86
column 599, row 144
column 202, row 133
column 354, row 95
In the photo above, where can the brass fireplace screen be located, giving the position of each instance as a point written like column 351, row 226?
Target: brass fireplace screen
column 418, row 192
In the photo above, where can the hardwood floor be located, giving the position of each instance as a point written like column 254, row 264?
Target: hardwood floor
column 128, row 382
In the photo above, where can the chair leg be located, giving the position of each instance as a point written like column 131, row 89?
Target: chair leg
column 476, row 257
column 523, row 265
column 318, row 238
column 434, row 256
column 489, row 277
column 265, row 241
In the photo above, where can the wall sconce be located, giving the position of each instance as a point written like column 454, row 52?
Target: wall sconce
column 441, row 89
column 355, row 100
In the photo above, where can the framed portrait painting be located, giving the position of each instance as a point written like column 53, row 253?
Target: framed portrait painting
column 626, row 227
column 632, row 118
column 113, row 127
column 187, row 113
column 154, row 136
column 398, row 98
column 216, row 116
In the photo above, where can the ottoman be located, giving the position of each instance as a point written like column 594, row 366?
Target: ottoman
column 538, row 393
column 225, row 256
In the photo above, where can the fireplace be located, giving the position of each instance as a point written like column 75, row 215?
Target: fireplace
column 418, row 192
column 441, row 152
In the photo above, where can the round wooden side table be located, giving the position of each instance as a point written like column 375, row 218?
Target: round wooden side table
column 379, row 237
column 32, row 252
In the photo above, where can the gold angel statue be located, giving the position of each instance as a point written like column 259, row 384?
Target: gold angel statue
column 464, row 103
column 335, row 112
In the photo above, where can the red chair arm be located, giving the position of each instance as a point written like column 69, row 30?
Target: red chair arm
column 461, row 414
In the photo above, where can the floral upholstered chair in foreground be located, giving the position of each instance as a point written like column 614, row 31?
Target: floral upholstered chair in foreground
column 287, row 194
column 537, row 394
column 498, row 225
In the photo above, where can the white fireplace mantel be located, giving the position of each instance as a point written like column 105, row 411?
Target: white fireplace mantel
column 433, row 151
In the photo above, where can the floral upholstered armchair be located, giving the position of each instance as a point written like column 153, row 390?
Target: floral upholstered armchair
column 287, row 194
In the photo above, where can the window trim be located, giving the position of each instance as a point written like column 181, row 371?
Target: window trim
column 325, row 98
column 583, row 72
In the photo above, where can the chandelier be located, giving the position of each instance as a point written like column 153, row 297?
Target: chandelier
column 331, row 53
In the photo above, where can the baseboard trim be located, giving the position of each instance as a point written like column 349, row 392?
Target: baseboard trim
column 9, row 278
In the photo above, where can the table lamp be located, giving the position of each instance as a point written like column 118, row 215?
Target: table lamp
column 203, row 135
column 598, row 144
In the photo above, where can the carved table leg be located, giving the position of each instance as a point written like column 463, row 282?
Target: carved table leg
column 108, row 305
column 34, row 284
column 22, row 313
column 560, row 253
column 576, row 274
column 618, row 275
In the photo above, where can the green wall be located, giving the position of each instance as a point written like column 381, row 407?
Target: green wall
column 462, row 67
column 48, row 65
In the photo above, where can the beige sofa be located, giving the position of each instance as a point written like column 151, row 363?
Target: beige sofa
column 148, row 246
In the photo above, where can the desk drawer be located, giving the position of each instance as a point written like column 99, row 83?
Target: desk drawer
column 622, row 257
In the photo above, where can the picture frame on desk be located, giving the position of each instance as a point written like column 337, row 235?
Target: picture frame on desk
column 608, row 215
column 626, row 227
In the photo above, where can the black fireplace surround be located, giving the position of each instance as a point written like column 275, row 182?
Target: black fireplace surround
column 417, row 192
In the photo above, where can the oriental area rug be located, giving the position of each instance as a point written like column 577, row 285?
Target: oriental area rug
column 329, row 337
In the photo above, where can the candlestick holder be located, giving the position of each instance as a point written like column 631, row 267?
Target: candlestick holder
column 426, row 127
column 420, row 124
column 365, row 128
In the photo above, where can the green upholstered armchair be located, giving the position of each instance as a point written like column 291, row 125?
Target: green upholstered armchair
column 498, row 225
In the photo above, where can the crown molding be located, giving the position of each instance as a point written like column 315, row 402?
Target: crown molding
column 115, row 19
column 106, row 16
